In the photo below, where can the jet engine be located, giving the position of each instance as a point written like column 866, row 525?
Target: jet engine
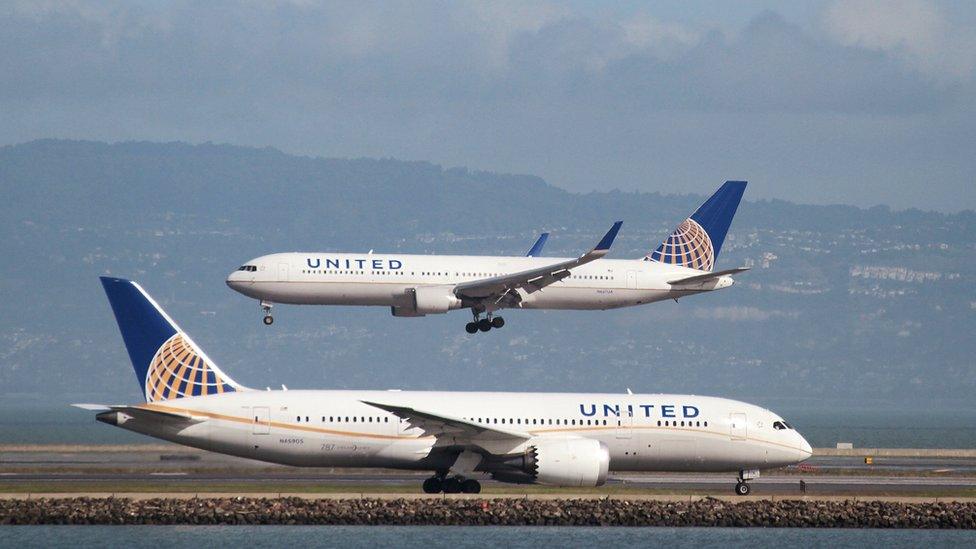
column 427, row 300
column 559, row 462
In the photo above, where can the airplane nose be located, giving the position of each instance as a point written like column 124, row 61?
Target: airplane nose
column 234, row 280
column 804, row 451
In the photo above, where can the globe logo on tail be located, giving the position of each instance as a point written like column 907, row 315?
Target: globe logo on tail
column 688, row 246
column 178, row 370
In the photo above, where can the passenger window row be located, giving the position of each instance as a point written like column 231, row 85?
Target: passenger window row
column 424, row 273
column 324, row 271
column 347, row 419
column 689, row 423
column 535, row 421
column 526, row 421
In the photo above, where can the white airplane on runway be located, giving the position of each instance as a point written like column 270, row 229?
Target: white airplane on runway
column 419, row 285
column 559, row 439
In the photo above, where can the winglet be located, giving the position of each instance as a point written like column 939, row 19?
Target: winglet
column 607, row 241
column 537, row 247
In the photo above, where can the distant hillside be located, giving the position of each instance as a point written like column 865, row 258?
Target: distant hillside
column 842, row 302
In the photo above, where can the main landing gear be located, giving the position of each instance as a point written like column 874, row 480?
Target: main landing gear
column 451, row 485
column 742, row 487
column 484, row 324
column 268, row 319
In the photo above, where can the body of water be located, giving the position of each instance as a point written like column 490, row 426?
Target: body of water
column 458, row 537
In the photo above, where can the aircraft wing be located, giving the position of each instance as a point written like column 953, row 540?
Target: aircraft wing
column 707, row 276
column 537, row 247
column 438, row 425
column 536, row 279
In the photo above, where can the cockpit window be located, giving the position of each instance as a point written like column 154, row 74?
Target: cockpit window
column 249, row 268
column 781, row 425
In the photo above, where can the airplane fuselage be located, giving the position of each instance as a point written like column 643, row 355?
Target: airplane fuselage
column 387, row 279
column 655, row 432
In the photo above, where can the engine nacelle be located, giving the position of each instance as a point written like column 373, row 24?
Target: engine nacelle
column 567, row 461
column 427, row 300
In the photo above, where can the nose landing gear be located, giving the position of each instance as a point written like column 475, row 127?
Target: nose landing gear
column 484, row 324
column 268, row 319
column 742, row 487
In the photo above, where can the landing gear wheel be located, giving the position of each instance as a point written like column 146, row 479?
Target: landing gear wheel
column 471, row 486
column 484, row 324
column 266, row 307
column 742, row 489
column 432, row 485
column 471, row 327
column 451, row 486
column 497, row 322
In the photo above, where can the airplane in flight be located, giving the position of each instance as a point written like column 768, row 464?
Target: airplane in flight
column 420, row 285
column 557, row 439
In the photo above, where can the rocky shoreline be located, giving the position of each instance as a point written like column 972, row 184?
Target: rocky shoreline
column 473, row 512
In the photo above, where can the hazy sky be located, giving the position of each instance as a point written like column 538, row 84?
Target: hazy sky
column 824, row 102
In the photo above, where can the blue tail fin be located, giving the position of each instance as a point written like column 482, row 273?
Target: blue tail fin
column 167, row 362
column 697, row 240
column 537, row 247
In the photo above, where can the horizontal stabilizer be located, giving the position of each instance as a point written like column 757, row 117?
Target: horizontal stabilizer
column 697, row 279
column 139, row 412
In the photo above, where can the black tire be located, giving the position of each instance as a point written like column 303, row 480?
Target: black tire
column 484, row 325
column 742, row 489
column 268, row 320
column 471, row 327
column 432, row 485
column 471, row 486
column 497, row 322
column 451, row 486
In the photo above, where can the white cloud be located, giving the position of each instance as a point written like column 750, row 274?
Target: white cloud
column 587, row 98
column 660, row 38
column 915, row 30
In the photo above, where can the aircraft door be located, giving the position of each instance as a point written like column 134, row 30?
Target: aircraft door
column 262, row 420
column 737, row 426
column 625, row 423
column 282, row 272
column 632, row 280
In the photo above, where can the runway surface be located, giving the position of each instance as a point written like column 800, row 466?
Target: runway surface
column 169, row 469
column 697, row 483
